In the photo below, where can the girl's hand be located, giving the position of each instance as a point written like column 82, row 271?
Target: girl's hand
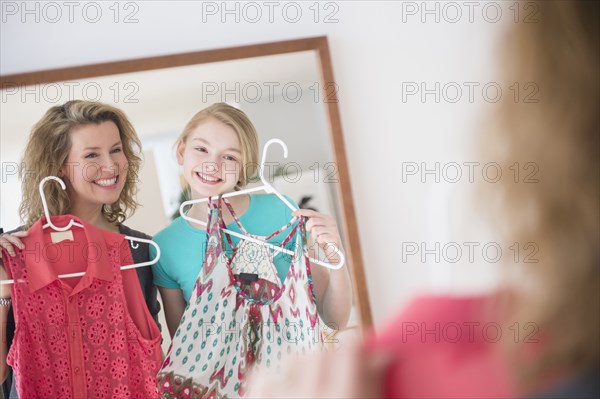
column 324, row 231
column 350, row 372
column 9, row 241
column 322, row 228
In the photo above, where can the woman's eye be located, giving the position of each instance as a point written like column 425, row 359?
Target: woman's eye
column 91, row 155
column 229, row 158
column 201, row 149
column 117, row 150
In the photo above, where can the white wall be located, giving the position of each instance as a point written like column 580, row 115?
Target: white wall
column 307, row 137
column 376, row 48
column 149, row 217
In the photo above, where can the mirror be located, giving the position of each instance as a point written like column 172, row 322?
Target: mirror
column 286, row 88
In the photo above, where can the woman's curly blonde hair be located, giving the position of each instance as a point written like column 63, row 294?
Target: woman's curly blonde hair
column 47, row 150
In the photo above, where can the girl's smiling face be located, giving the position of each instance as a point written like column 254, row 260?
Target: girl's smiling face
column 211, row 158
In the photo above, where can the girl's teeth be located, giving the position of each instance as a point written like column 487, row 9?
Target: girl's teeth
column 106, row 182
column 212, row 179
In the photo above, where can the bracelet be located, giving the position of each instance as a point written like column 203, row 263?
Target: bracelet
column 5, row 301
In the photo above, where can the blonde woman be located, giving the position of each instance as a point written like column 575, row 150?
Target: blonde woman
column 559, row 212
column 94, row 149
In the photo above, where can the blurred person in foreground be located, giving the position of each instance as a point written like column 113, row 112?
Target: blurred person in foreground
column 557, row 298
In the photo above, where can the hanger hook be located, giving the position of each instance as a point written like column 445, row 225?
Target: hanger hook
column 264, row 158
column 266, row 185
column 45, row 203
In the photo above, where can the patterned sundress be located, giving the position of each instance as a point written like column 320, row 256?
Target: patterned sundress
column 240, row 315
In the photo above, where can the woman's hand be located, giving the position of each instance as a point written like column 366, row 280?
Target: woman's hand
column 10, row 240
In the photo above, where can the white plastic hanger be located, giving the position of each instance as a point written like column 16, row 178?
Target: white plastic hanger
column 74, row 223
column 45, row 205
column 271, row 190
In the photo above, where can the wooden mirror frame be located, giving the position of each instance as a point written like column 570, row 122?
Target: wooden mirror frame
column 319, row 44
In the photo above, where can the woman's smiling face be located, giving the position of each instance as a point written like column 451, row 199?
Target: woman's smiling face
column 96, row 167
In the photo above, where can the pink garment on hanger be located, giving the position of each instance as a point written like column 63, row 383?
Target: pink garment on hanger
column 446, row 347
column 80, row 337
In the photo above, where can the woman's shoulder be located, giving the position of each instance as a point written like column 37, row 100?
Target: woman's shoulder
column 128, row 231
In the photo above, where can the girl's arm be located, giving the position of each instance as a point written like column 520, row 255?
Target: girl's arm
column 333, row 288
column 174, row 306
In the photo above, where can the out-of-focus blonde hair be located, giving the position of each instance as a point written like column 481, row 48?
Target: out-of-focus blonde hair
column 47, row 150
column 555, row 202
column 244, row 128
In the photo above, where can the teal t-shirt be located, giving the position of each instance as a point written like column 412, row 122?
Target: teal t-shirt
column 183, row 246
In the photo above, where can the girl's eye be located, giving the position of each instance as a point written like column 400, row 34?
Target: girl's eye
column 91, row 155
column 201, row 149
column 116, row 150
column 229, row 158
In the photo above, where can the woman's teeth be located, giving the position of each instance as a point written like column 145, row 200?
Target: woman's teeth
column 106, row 182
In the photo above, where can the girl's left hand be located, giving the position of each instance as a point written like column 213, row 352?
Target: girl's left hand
column 322, row 228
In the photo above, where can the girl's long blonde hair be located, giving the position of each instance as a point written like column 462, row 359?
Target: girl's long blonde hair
column 550, row 134
column 47, row 150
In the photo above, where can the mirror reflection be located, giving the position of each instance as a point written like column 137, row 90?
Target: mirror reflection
column 283, row 95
